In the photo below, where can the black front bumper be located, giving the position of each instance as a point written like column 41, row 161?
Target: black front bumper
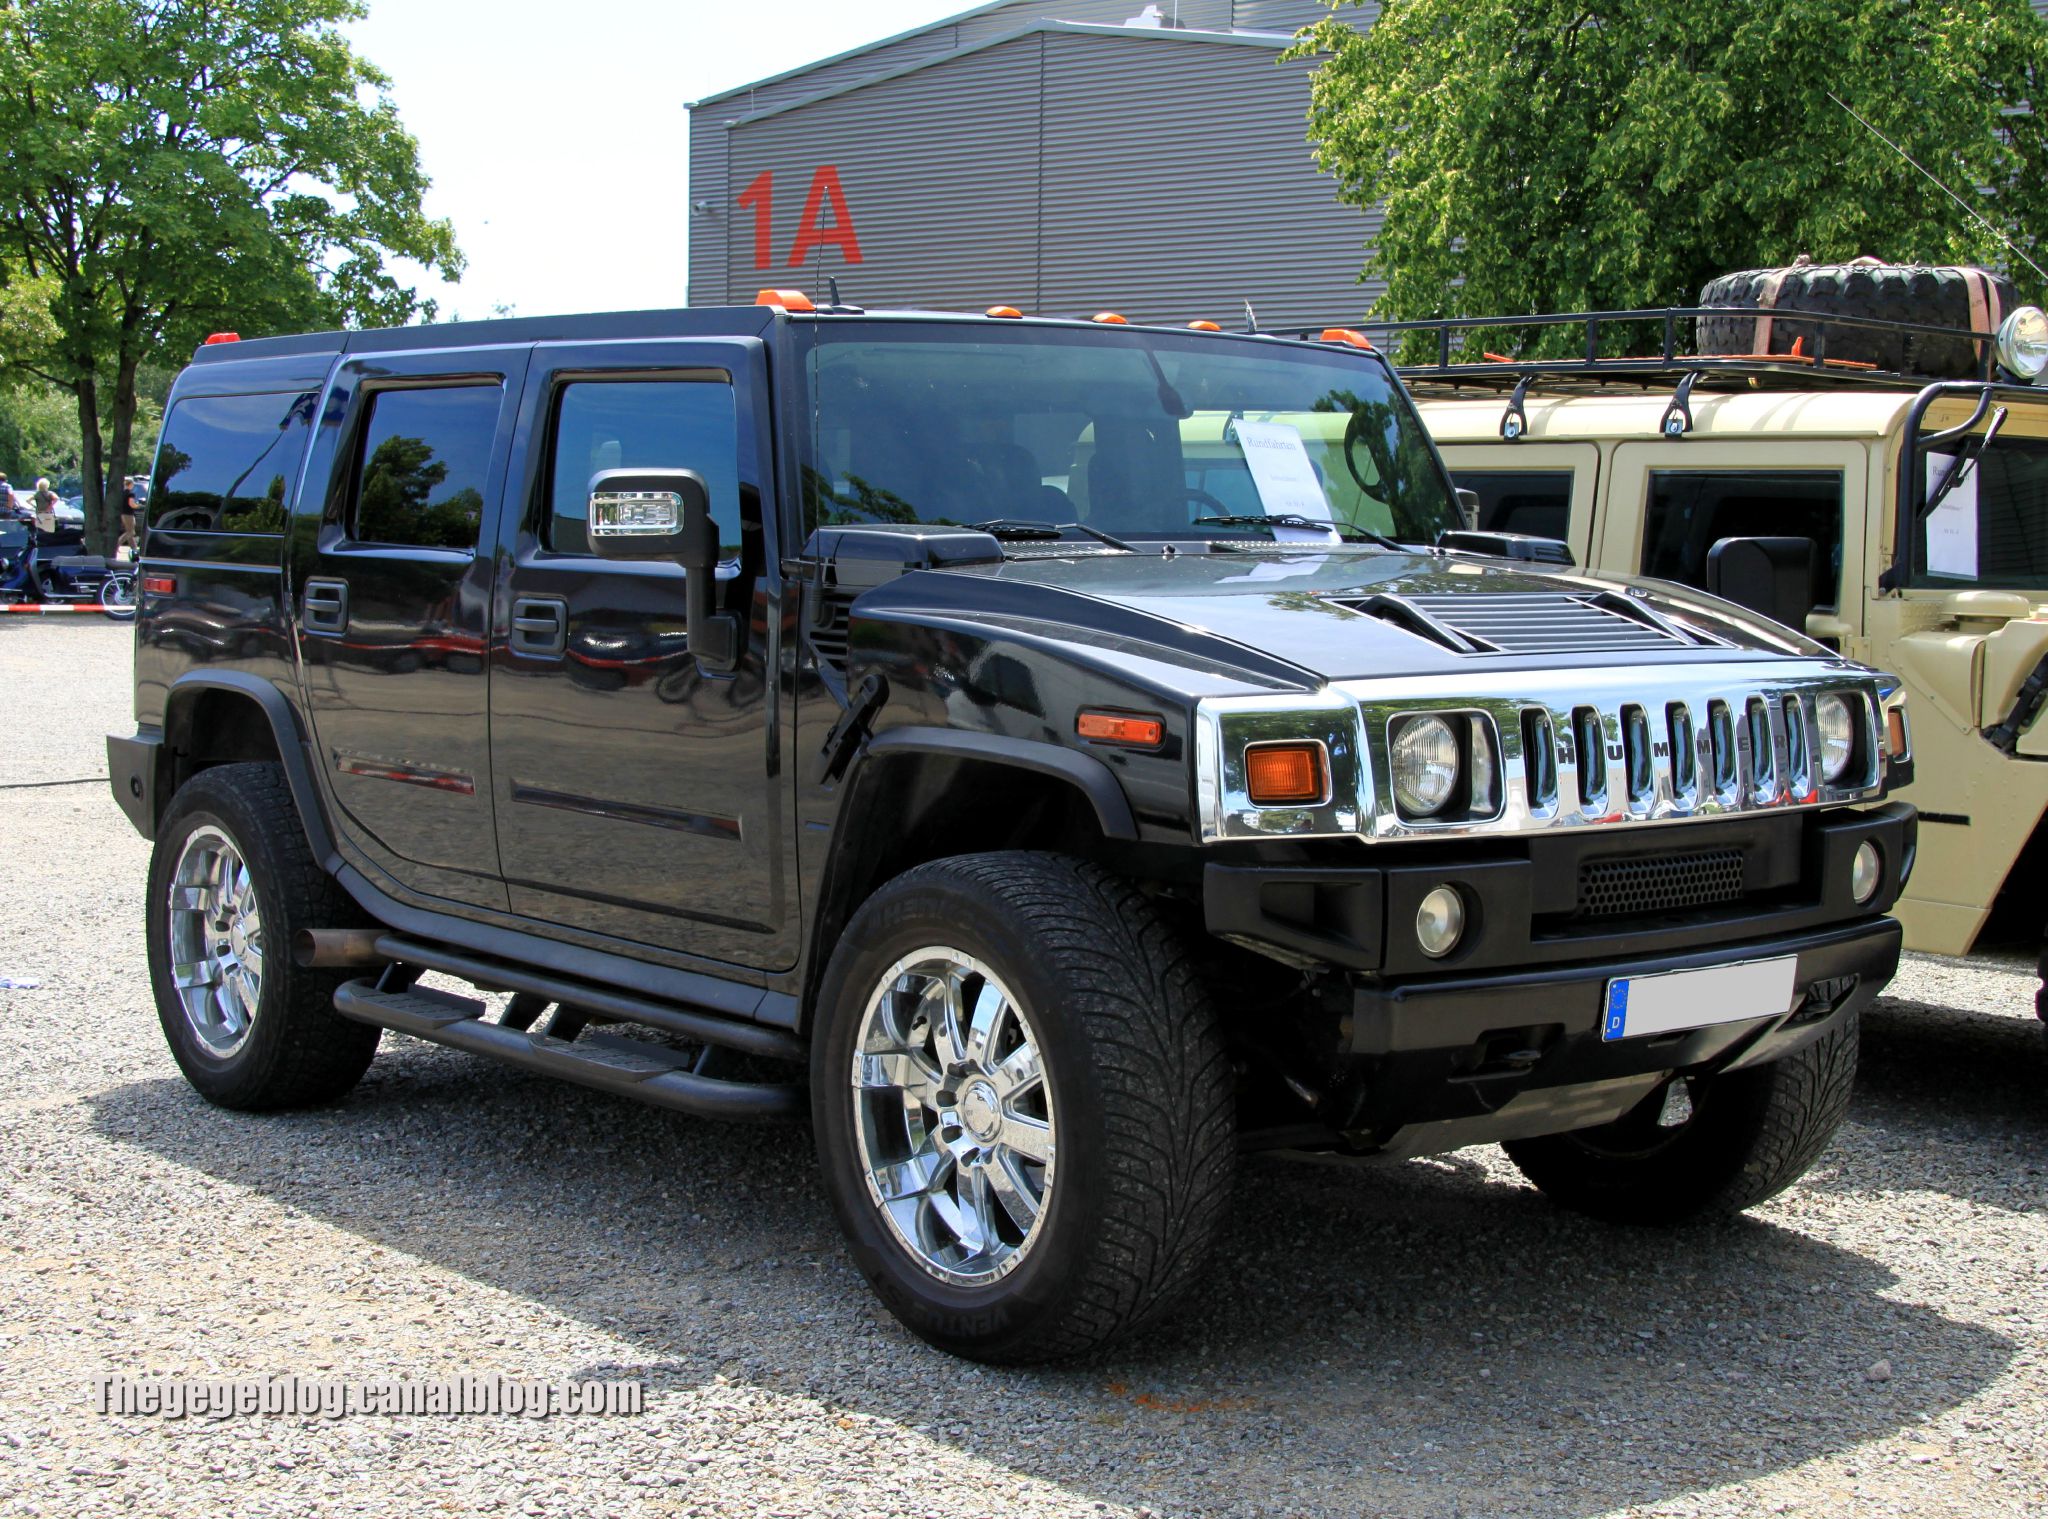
column 1445, row 1062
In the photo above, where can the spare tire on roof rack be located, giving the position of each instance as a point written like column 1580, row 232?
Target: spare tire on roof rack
column 1972, row 300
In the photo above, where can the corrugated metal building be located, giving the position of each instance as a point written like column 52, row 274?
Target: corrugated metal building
column 1047, row 156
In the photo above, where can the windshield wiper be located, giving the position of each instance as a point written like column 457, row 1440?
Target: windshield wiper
column 1018, row 528
column 1291, row 519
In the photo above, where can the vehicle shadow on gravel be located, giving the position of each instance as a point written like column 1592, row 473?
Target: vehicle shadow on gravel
column 1421, row 1338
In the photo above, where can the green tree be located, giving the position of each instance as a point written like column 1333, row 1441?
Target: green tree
column 179, row 166
column 1537, row 155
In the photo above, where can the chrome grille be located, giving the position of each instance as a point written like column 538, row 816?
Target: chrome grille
column 1622, row 746
column 1550, row 622
column 1639, row 885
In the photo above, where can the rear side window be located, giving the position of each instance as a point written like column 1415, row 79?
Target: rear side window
column 1689, row 512
column 641, row 424
column 421, row 467
column 1533, row 501
column 227, row 464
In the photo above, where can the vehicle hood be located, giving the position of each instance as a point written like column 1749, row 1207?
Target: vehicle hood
column 1312, row 617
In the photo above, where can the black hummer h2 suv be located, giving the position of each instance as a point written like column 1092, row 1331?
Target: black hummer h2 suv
column 1054, row 755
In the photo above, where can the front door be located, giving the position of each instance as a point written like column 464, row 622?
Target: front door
column 638, row 796
column 393, row 609
column 1545, row 489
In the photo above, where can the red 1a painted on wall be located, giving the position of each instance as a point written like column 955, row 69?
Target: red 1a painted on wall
column 812, row 232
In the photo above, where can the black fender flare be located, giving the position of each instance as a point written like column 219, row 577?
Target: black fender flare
column 285, row 728
column 1084, row 772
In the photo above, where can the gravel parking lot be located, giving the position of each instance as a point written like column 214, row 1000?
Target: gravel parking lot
column 1427, row 1338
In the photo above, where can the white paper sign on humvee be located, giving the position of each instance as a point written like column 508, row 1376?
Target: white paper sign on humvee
column 1862, row 453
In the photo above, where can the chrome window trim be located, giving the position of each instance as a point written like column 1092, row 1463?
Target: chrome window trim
column 1351, row 719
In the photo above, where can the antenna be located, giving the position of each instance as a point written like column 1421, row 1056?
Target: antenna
column 832, row 287
column 1989, row 226
column 1251, row 320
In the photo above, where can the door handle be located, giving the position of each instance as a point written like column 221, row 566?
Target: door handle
column 540, row 627
column 326, row 606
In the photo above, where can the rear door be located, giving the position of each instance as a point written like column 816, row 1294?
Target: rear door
column 637, row 796
column 393, row 608
column 1546, row 489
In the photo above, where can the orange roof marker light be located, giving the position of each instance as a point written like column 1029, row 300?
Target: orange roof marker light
column 1110, row 317
column 1206, row 326
column 784, row 300
column 1010, row 312
column 221, row 337
column 1346, row 335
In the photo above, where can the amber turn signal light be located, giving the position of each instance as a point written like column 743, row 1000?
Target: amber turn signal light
column 1121, row 728
column 1285, row 774
column 1895, row 733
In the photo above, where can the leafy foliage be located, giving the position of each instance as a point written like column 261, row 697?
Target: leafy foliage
column 1576, row 155
column 180, row 166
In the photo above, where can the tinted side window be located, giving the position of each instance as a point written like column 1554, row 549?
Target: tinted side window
column 421, row 467
column 1690, row 512
column 641, row 424
column 227, row 464
column 1533, row 501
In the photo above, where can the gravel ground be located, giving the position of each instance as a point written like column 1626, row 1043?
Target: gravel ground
column 1428, row 1338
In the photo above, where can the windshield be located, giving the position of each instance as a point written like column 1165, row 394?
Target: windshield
column 1991, row 528
column 1134, row 434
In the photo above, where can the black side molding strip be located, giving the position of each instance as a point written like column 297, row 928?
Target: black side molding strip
column 1095, row 779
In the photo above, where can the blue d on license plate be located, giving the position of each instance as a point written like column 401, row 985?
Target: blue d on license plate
column 1688, row 999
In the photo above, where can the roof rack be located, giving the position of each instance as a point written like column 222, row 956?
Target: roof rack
column 1451, row 373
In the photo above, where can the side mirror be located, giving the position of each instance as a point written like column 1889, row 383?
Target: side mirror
column 1468, row 505
column 1773, row 576
column 651, row 514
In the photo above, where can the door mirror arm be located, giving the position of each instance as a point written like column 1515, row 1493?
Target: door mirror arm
column 653, row 514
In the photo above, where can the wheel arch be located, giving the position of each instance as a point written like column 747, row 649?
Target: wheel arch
column 220, row 717
column 922, row 794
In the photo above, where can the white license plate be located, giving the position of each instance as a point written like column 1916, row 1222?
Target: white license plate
column 1688, row 999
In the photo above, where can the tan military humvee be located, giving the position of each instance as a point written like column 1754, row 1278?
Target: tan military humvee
column 1642, row 477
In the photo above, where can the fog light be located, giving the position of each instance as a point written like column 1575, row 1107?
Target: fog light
column 1865, row 872
column 1440, row 922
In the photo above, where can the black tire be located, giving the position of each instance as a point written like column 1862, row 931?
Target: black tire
column 1752, row 1134
column 297, row 1050
column 1933, row 296
column 1141, row 1101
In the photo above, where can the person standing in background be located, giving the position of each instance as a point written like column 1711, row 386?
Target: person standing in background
column 45, row 503
column 127, row 540
column 6, row 498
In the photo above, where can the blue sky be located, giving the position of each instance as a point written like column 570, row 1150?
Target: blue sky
column 555, row 133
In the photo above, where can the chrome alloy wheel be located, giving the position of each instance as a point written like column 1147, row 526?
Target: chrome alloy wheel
column 953, row 1115
column 216, row 941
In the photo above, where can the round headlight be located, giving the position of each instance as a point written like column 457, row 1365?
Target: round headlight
column 1837, row 726
column 1425, row 765
column 2022, row 345
column 1440, row 922
column 1866, row 872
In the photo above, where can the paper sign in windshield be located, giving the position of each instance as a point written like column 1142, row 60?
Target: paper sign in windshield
column 1952, row 526
column 1285, row 479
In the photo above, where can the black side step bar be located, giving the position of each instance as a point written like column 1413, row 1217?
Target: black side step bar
column 626, row 1067
column 701, row 1027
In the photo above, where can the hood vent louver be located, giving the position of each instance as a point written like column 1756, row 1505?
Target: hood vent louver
column 1530, row 622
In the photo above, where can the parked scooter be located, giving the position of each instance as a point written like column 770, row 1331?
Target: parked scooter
column 43, row 572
